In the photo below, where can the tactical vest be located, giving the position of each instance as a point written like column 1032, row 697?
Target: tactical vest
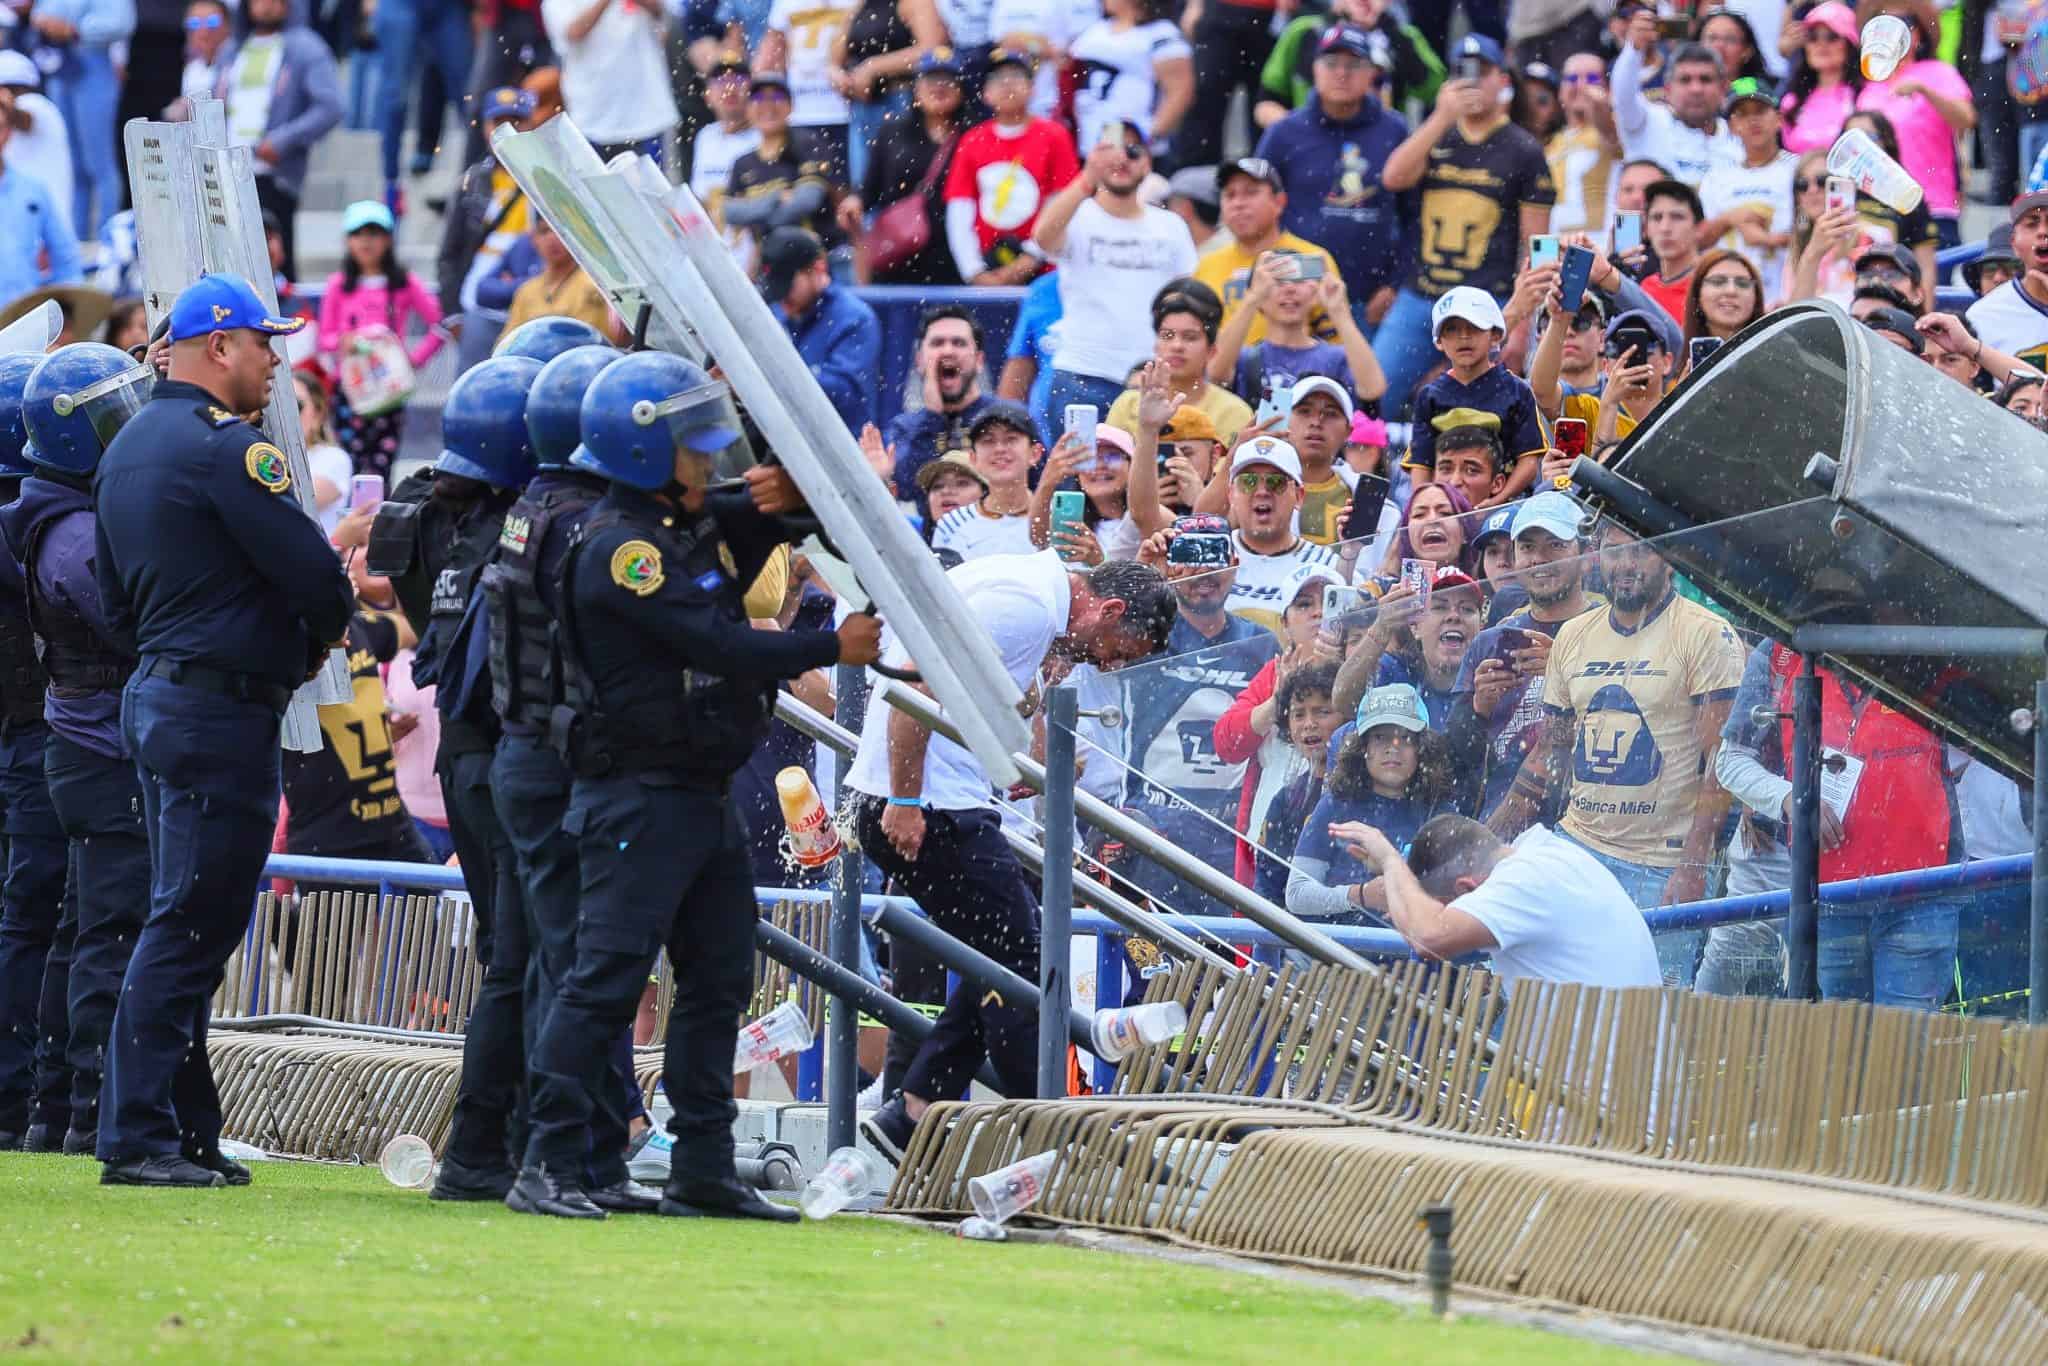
column 77, row 661
column 708, row 726
column 22, row 681
column 526, row 657
column 453, row 552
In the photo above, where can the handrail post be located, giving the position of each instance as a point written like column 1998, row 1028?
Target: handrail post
column 1802, row 923
column 1056, row 905
column 2037, row 918
column 842, row 1023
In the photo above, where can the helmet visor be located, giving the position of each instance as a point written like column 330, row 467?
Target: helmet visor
column 704, row 420
column 109, row 403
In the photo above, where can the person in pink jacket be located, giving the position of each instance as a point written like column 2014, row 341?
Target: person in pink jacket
column 373, row 290
column 1825, row 80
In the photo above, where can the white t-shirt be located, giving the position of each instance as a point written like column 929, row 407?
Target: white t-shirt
column 1116, row 73
column 615, row 83
column 1653, row 132
column 711, row 171
column 1023, row 602
column 1557, row 915
column 332, row 464
column 1265, row 584
column 975, row 534
column 1733, row 183
column 1051, row 21
column 1110, row 268
column 2007, row 319
column 810, row 29
column 44, row 151
column 1119, row 539
column 250, row 82
column 1994, row 823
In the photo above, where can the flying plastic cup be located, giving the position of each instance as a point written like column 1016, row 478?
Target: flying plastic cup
column 1120, row 1033
column 1000, row 1195
column 1855, row 155
column 782, row 1030
column 847, row 1175
column 1886, row 41
column 407, row 1162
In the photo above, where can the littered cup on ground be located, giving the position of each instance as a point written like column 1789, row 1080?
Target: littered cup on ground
column 407, row 1162
column 848, row 1174
column 1001, row 1195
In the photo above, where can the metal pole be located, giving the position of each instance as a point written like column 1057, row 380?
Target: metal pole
column 1056, row 904
column 2037, row 921
column 842, row 1023
column 1802, row 924
column 970, row 963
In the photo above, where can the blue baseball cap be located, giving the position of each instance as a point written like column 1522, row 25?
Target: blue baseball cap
column 224, row 303
column 940, row 61
column 366, row 213
column 1499, row 522
column 1480, row 46
column 507, row 102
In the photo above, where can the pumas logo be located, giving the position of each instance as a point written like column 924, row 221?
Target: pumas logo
column 1615, row 743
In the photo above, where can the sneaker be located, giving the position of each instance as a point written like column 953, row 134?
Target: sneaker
column 173, row 1170
column 454, row 1180
column 231, row 1171
column 538, row 1191
column 870, row 1098
column 626, row 1197
column 654, row 1158
column 889, row 1129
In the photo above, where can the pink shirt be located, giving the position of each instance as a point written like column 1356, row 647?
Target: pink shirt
column 413, row 756
column 368, row 305
column 1819, row 121
column 1927, row 145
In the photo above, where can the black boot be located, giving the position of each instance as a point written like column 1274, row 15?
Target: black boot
column 172, row 1170
column 81, row 1142
column 626, row 1196
column 542, row 1192
column 231, row 1171
column 456, row 1181
column 725, row 1198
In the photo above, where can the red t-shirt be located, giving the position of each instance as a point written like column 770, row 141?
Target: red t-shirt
column 1009, row 178
column 1671, row 296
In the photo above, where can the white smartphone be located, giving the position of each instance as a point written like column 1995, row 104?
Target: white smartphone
column 1081, row 419
column 1628, row 230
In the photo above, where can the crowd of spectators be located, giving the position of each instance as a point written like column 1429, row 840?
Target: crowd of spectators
column 1314, row 362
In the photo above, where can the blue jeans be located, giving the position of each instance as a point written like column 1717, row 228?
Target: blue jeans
column 1991, row 949
column 863, row 126
column 434, row 31
column 1889, row 954
column 1068, row 387
column 85, row 92
column 1678, row 951
column 1406, row 348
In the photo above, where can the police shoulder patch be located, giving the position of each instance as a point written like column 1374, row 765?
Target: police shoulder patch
column 636, row 567
column 267, row 466
column 219, row 418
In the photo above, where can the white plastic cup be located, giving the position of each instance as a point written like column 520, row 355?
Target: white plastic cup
column 781, row 1031
column 1120, row 1033
column 407, row 1162
column 1000, row 1195
column 847, row 1175
column 1859, row 157
column 1886, row 41
column 980, row 1230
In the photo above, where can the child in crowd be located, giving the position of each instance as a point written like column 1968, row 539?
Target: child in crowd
column 1282, row 293
column 1469, row 329
column 1106, row 531
column 1303, row 718
column 1392, row 772
column 373, row 290
column 951, row 482
column 1470, row 458
column 1005, row 447
column 1001, row 174
column 1493, row 563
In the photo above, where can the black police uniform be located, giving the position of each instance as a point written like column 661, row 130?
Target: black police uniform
column 38, row 917
column 529, row 778
column 671, row 690
column 232, row 595
column 433, row 549
column 92, row 780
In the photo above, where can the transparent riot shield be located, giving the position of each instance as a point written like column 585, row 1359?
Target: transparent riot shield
column 663, row 251
column 32, row 333
column 196, row 211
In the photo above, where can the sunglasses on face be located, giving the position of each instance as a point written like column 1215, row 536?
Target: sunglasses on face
column 1251, row 481
column 773, row 92
column 1584, row 78
column 201, row 23
column 1585, row 322
column 1802, row 184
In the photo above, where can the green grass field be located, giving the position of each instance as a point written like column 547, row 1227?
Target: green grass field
column 316, row 1264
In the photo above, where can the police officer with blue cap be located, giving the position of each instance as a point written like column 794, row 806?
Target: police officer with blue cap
column 668, row 689
column 529, row 779
column 233, row 597
column 92, row 780
column 38, row 918
column 431, row 539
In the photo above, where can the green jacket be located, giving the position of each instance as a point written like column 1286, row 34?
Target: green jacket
column 1418, row 71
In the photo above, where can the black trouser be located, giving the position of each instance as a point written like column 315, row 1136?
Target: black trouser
column 532, row 785
column 156, row 60
column 493, row 1043
column 663, row 862
column 276, row 199
column 37, row 923
column 98, row 799
column 970, row 885
column 915, row 978
column 1232, row 43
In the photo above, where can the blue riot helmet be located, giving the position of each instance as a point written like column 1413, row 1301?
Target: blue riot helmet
column 14, row 373
column 554, row 407
column 483, row 423
column 648, row 405
column 77, row 398
column 545, row 338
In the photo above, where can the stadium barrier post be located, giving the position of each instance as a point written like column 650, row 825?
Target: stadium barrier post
column 1056, row 902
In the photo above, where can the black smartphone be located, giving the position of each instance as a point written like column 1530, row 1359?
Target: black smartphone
column 1368, row 499
column 1632, row 336
column 1573, row 275
column 1701, row 348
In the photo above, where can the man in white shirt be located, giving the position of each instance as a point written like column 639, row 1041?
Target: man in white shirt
column 615, row 80
column 2013, row 318
column 42, row 149
column 1686, row 134
column 1004, row 446
column 722, row 142
column 1115, row 253
column 799, row 42
column 1541, row 907
column 925, row 817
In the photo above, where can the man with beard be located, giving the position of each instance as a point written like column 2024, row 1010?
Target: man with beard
column 1178, row 783
column 1265, row 495
column 1111, row 248
column 1496, row 715
column 949, row 363
column 1635, row 698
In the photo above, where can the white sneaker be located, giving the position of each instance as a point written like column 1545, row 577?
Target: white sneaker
column 871, row 1098
column 652, row 1163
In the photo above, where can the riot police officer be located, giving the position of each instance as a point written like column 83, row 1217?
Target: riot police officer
column 37, row 918
column 529, row 780
column 233, row 597
column 431, row 539
column 92, row 781
column 669, row 689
